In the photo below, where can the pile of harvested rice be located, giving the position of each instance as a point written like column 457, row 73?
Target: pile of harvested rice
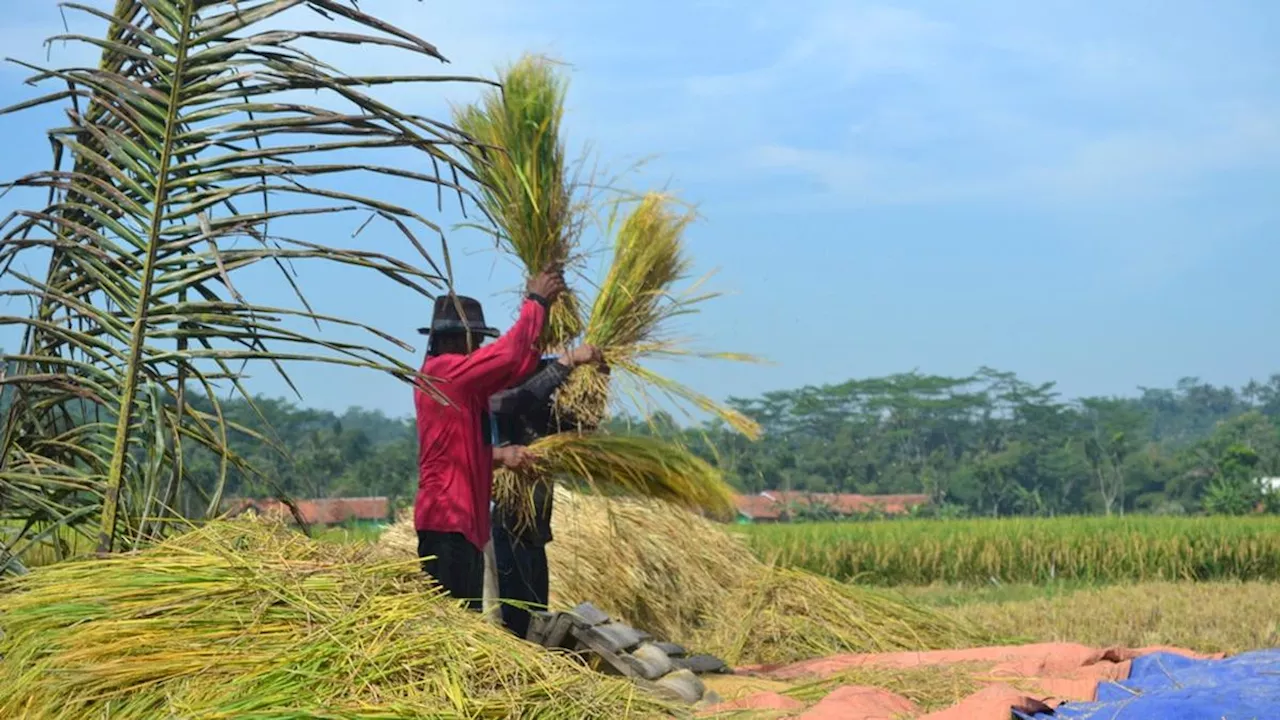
column 654, row 565
column 246, row 619
column 684, row 578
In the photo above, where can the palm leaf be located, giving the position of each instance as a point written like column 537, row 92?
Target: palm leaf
column 187, row 159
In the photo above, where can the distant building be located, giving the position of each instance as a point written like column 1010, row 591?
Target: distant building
column 781, row 505
column 327, row 511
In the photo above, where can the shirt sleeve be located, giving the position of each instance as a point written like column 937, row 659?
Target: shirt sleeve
column 509, row 358
column 531, row 394
column 536, row 392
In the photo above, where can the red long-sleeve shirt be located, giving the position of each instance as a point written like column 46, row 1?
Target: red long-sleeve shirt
column 455, row 464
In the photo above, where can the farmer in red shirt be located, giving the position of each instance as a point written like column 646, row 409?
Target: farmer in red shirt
column 455, row 450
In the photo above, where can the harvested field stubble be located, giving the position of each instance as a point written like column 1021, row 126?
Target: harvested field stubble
column 248, row 620
column 1207, row 617
column 1028, row 550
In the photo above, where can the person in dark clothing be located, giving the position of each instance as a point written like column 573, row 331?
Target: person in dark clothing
column 524, row 414
column 455, row 449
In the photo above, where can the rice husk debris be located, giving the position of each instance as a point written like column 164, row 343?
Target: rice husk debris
column 247, row 619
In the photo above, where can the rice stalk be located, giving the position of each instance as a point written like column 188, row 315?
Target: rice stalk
column 632, row 313
column 525, row 188
column 247, row 620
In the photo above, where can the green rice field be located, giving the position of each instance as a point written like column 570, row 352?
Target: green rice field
column 1028, row 550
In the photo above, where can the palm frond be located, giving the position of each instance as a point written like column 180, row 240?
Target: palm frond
column 186, row 159
column 526, row 189
column 631, row 318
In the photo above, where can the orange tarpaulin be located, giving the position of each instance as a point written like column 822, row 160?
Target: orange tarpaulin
column 1058, row 672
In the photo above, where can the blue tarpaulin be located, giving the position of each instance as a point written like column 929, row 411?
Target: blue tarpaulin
column 1172, row 687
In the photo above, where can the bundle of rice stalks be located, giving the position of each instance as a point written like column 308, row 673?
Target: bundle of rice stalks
column 631, row 465
column 248, row 620
column 686, row 579
column 524, row 185
column 632, row 312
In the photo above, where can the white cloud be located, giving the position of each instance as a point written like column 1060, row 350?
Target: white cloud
column 1018, row 105
column 864, row 102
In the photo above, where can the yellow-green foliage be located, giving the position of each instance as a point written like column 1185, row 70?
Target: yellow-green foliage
column 1034, row 550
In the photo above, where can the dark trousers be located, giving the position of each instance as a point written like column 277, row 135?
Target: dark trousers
column 522, row 577
column 454, row 563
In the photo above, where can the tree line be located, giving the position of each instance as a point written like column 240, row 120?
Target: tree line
column 993, row 444
column 988, row 444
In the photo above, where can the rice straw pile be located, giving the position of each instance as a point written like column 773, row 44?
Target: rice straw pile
column 632, row 313
column 783, row 615
column 655, row 566
column 633, row 465
column 524, row 185
column 245, row 619
column 684, row 578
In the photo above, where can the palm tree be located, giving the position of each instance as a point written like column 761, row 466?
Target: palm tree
column 187, row 154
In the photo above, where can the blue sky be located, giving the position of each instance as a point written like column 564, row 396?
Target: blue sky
column 1079, row 192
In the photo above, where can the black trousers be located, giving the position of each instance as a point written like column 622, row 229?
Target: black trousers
column 522, row 577
column 453, row 562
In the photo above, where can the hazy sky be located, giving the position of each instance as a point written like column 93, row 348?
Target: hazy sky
column 1080, row 192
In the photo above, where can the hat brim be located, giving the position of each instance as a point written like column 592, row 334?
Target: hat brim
column 460, row 329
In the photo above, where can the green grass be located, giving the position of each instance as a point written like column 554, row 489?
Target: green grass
column 1089, row 550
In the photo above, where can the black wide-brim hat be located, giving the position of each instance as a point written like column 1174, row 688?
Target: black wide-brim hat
column 445, row 318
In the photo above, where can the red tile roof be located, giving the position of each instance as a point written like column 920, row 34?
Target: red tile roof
column 771, row 504
column 328, row 511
